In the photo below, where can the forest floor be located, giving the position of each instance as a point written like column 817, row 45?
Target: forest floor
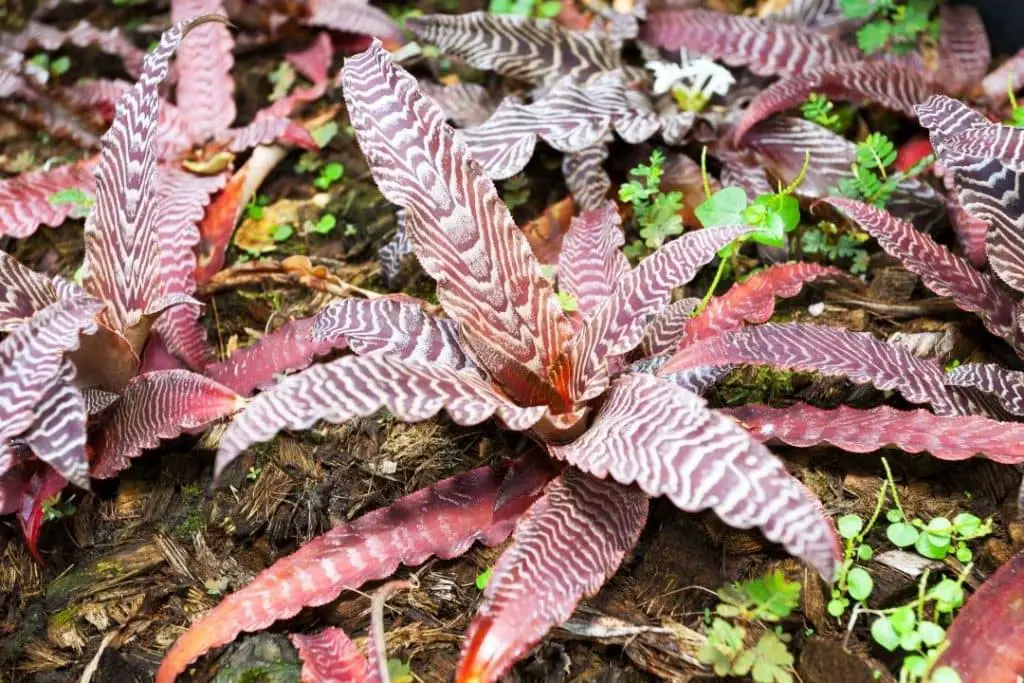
column 128, row 567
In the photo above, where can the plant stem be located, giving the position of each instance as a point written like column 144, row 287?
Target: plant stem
column 722, row 264
column 892, row 486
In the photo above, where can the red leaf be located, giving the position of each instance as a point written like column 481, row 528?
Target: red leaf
column 911, row 152
column 464, row 237
column 863, row 431
column 40, row 36
column 666, row 441
column 25, row 199
column 750, row 301
column 565, row 547
column 155, row 406
column 42, row 485
column 331, row 657
column 267, row 129
column 986, row 640
column 1006, row 385
column 206, row 90
column 766, row 48
column 591, row 263
column 941, row 271
column 883, row 83
column 361, row 385
column 828, row 350
column 57, row 433
column 444, row 520
column 963, row 51
column 23, row 292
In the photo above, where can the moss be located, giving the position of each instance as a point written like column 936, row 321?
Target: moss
column 755, row 384
column 63, row 617
column 192, row 523
column 191, row 493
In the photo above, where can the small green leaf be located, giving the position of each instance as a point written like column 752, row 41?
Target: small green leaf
column 281, row 233
column 725, row 207
column 945, row 674
column 964, row 554
column 322, row 135
column 966, row 524
column 903, row 619
column 326, row 224
column 483, row 578
column 865, row 553
column 931, row 633
column 884, row 634
column 859, row 583
column 939, row 527
column 836, row 606
column 901, row 534
column 567, row 301
column 849, row 526
column 894, row 515
column 931, row 547
column 910, row 641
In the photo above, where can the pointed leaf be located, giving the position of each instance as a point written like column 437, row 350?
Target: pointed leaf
column 565, row 547
column 828, row 350
column 362, row 385
column 1006, row 385
column 57, row 434
column 983, row 643
column 23, row 292
column 987, row 186
column 206, row 90
column 617, row 326
column 331, row 657
column 488, row 280
column 665, row 440
column 122, row 262
column 155, row 406
column 864, row 431
column 591, row 263
column 766, row 48
column 883, row 83
column 963, row 51
column 444, row 520
column 750, row 301
column 25, row 199
column 521, row 48
column 941, row 271
column 268, row 129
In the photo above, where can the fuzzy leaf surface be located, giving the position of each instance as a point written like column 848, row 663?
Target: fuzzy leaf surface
column 665, row 440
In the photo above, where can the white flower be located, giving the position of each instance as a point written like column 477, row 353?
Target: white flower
column 695, row 74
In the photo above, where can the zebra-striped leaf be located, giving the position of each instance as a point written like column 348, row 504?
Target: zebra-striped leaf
column 666, row 441
column 444, row 520
column 591, row 262
column 331, row 657
column 25, row 199
column 564, row 548
column 206, row 90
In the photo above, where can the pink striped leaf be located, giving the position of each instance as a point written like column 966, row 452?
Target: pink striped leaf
column 522, row 48
column 288, row 348
column 41, row 36
column 971, row 231
column 25, row 199
column 464, row 104
column 591, row 263
column 863, row 431
column 159, row 405
column 123, row 261
column 888, row 85
column 355, row 16
column 941, row 271
column 57, row 433
column 618, row 324
column 750, row 301
column 443, row 520
column 564, row 548
column 820, row 15
column 963, row 53
column 828, row 350
column 766, row 48
column 986, row 184
column 47, row 115
column 585, row 176
column 206, row 90
column 268, row 129
column 23, row 292
column 361, row 385
column 331, row 657
column 32, row 361
column 666, row 441
column 1006, row 385
column 1008, row 76
column 487, row 278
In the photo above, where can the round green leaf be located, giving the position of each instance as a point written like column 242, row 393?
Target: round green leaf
column 945, row 674
column 884, row 634
column 927, row 547
column 864, row 552
column 901, row 534
column 931, row 633
column 894, row 515
column 903, row 619
column 915, row 665
column 964, row 554
column 836, row 606
column 966, row 524
column 910, row 641
column 859, row 583
column 849, row 526
column 939, row 526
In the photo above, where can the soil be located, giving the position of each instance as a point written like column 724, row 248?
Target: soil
column 142, row 556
